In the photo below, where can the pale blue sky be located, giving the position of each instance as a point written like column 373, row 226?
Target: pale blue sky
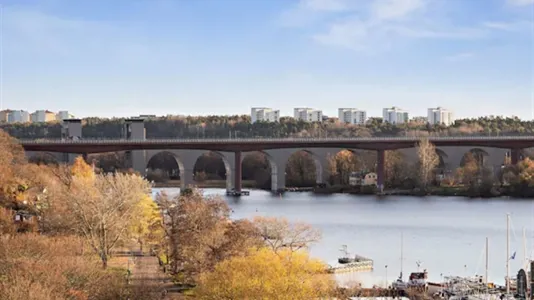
column 127, row 57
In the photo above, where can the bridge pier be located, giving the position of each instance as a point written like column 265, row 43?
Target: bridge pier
column 515, row 156
column 237, row 171
column 71, row 129
column 134, row 129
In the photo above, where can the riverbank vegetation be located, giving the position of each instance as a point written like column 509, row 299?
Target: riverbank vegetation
column 64, row 231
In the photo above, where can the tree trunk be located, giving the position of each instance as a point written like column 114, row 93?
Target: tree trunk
column 104, row 259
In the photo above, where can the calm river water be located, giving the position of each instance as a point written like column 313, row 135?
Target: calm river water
column 446, row 235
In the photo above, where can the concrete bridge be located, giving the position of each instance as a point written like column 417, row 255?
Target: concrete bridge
column 278, row 151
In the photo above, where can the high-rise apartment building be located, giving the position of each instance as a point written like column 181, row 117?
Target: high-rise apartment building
column 63, row 115
column 18, row 116
column 42, row 116
column 395, row 115
column 440, row 115
column 264, row 114
column 352, row 116
column 308, row 114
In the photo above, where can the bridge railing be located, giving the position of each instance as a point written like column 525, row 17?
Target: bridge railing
column 271, row 140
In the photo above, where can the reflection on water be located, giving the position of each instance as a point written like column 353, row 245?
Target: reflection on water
column 446, row 234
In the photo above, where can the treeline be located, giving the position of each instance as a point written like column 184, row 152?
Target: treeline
column 240, row 127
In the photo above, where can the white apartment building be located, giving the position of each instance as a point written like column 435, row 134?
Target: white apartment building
column 395, row 115
column 18, row 116
column 352, row 116
column 308, row 114
column 63, row 115
column 42, row 116
column 440, row 115
column 264, row 114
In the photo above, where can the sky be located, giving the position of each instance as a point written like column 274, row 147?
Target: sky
column 222, row 57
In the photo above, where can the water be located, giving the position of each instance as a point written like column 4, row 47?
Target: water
column 447, row 235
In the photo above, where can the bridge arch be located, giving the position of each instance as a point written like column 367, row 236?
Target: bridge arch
column 164, row 165
column 302, row 169
column 213, row 165
column 342, row 162
column 257, row 167
column 443, row 157
column 478, row 154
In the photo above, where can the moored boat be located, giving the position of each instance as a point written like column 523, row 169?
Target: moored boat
column 347, row 263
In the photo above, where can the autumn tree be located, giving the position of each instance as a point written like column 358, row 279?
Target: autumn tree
column 264, row 274
column 428, row 161
column 195, row 225
column 341, row 165
column 12, row 163
column 280, row 234
column 469, row 171
column 301, row 169
column 81, row 169
column 146, row 228
column 103, row 207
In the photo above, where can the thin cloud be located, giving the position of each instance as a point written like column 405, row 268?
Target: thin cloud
column 396, row 9
column 30, row 31
column 509, row 26
column 520, row 2
column 379, row 24
column 460, row 57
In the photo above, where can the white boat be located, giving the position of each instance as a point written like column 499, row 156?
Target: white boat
column 348, row 264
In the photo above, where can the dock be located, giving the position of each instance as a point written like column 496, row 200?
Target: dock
column 234, row 193
column 362, row 264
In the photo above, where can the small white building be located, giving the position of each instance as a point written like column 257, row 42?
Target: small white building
column 264, row 114
column 352, row 116
column 362, row 178
column 395, row 115
column 308, row 114
column 440, row 115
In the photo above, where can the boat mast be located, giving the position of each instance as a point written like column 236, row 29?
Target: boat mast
column 487, row 262
column 402, row 253
column 507, row 253
column 525, row 258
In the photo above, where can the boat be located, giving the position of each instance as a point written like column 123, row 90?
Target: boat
column 347, row 263
column 416, row 280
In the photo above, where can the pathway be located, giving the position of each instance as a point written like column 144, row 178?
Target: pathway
column 153, row 283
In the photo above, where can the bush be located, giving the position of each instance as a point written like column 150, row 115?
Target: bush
column 39, row 267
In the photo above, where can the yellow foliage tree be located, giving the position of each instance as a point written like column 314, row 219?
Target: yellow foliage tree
column 81, row 169
column 146, row 223
column 264, row 274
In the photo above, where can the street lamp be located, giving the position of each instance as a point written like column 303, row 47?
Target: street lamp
column 386, row 276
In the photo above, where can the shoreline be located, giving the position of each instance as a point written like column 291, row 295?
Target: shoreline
column 452, row 191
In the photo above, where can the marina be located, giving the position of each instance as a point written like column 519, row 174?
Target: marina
column 477, row 287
